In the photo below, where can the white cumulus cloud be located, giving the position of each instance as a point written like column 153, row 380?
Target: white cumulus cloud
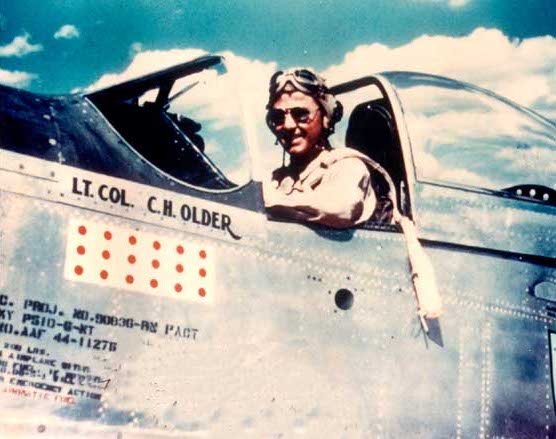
column 146, row 62
column 20, row 46
column 15, row 78
column 521, row 70
column 67, row 32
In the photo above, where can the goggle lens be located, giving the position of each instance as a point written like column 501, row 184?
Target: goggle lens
column 307, row 75
column 304, row 77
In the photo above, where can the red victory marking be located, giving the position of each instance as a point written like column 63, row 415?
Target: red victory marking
column 82, row 230
column 129, row 279
column 155, row 263
column 179, row 268
column 179, row 249
column 107, row 235
column 78, row 270
column 104, row 274
column 202, row 272
column 154, row 283
column 131, row 259
column 81, row 250
column 177, row 287
column 156, row 245
column 203, row 254
column 106, row 254
column 132, row 240
column 202, row 292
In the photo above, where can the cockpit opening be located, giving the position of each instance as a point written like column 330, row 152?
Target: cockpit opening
column 173, row 120
column 370, row 128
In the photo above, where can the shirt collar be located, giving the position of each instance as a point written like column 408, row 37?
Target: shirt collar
column 318, row 162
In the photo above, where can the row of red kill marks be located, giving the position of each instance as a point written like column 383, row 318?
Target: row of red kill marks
column 133, row 240
column 132, row 259
column 130, row 280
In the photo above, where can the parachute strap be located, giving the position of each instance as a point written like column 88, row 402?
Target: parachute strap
column 429, row 302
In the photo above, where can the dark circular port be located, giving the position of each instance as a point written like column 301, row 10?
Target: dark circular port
column 344, row 299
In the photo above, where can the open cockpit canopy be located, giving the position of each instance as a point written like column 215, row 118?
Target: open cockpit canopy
column 183, row 120
column 465, row 136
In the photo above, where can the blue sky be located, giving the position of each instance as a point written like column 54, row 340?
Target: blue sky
column 108, row 33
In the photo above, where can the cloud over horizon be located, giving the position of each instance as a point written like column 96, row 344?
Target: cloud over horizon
column 15, row 78
column 146, row 62
column 521, row 70
column 67, row 32
column 19, row 47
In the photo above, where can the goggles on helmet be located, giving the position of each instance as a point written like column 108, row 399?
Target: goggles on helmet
column 303, row 80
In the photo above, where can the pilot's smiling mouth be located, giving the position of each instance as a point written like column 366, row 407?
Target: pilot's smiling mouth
column 289, row 141
column 296, row 140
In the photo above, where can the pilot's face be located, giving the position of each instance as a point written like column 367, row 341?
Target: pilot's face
column 297, row 122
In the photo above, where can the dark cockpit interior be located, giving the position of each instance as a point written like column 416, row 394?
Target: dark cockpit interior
column 171, row 142
column 372, row 131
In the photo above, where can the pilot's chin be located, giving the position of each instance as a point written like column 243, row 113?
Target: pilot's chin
column 287, row 146
column 295, row 147
column 297, row 150
column 290, row 149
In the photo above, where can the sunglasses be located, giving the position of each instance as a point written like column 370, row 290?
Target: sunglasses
column 300, row 115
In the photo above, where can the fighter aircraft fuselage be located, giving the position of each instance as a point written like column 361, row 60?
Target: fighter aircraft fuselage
column 144, row 292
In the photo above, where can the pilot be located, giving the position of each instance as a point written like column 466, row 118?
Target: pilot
column 333, row 187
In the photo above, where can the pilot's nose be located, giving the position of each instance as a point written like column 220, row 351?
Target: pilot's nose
column 289, row 122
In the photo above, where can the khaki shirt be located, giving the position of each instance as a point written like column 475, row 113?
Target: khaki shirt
column 334, row 189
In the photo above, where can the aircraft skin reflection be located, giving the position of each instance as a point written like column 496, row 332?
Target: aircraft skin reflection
column 168, row 303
